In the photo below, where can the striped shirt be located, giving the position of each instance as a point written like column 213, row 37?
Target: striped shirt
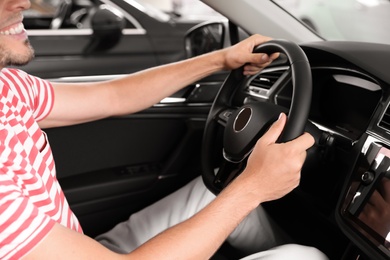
column 31, row 199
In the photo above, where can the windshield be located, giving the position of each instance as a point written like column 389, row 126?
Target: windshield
column 345, row 20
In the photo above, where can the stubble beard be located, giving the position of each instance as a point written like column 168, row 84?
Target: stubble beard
column 9, row 58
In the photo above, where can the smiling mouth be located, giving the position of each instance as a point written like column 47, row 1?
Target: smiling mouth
column 19, row 28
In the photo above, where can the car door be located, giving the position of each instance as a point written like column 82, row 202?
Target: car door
column 111, row 168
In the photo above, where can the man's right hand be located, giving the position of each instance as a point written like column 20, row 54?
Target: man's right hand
column 273, row 169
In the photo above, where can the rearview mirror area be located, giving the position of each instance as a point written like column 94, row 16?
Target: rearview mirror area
column 107, row 25
column 204, row 38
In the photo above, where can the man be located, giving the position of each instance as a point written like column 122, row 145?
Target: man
column 36, row 221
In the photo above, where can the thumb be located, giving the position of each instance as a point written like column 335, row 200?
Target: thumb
column 258, row 58
column 273, row 133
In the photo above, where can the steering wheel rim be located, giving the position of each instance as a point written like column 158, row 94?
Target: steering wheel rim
column 242, row 128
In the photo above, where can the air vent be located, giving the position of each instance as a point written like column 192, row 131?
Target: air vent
column 385, row 121
column 266, row 80
column 262, row 83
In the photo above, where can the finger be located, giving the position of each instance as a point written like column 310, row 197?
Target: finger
column 258, row 59
column 275, row 130
column 303, row 142
column 252, row 69
column 258, row 39
column 261, row 60
column 255, row 66
column 274, row 56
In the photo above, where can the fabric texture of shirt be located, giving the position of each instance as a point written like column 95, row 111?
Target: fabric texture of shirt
column 31, row 199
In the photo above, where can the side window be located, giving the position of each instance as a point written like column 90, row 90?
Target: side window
column 186, row 9
column 63, row 14
column 41, row 13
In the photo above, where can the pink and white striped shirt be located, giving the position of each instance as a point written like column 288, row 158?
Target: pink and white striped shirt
column 31, row 199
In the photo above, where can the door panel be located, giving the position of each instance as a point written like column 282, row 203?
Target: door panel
column 113, row 142
column 111, row 168
column 116, row 166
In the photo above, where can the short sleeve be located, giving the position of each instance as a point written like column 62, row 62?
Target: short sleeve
column 44, row 97
column 36, row 92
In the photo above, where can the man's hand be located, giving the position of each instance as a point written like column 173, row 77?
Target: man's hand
column 242, row 54
column 273, row 169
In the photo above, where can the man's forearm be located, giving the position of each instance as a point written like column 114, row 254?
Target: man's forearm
column 146, row 88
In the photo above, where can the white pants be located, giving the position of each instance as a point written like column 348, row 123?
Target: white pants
column 256, row 232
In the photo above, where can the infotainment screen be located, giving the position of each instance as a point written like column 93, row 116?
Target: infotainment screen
column 375, row 213
column 367, row 203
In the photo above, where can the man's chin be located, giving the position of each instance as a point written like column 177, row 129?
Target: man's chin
column 20, row 59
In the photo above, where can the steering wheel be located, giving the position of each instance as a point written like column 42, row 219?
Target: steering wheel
column 244, row 125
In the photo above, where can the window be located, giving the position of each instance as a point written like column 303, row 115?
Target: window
column 67, row 14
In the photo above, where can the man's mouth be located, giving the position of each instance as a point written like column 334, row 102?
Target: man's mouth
column 17, row 29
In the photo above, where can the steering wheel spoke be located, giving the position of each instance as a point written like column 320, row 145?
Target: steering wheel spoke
column 227, row 172
column 224, row 116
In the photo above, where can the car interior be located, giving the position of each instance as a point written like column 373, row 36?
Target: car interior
column 336, row 90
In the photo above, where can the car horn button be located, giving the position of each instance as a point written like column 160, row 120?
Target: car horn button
column 242, row 119
column 245, row 126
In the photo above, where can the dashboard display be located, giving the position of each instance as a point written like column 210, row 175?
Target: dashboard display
column 367, row 204
column 341, row 101
column 374, row 213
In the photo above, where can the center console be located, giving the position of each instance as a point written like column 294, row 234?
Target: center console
column 364, row 210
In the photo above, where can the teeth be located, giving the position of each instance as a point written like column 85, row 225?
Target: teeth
column 16, row 30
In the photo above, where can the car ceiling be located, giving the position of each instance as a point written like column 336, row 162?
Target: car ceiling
column 256, row 16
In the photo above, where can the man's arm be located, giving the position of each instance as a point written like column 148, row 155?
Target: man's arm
column 267, row 177
column 78, row 103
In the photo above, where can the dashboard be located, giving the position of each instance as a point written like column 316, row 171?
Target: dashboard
column 342, row 101
column 350, row 107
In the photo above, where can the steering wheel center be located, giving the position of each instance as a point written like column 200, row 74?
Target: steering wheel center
column 242, row 120
column 247, row 124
